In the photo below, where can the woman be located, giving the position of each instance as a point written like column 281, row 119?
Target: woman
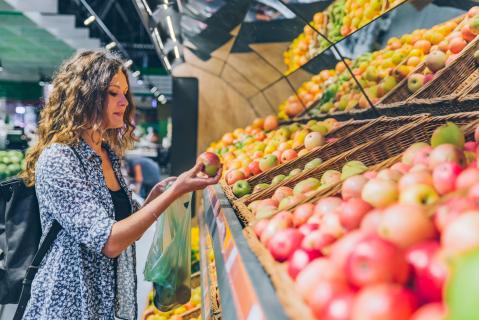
column 89, row 273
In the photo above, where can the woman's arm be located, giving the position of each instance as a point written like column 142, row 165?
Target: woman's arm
column 127, row 231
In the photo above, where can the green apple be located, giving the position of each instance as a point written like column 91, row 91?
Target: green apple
column 371, row 73
column 313, row 164
column 309, row 184
column 448, row 133
column 294, row 172
column 260, row 186
column 241, row 188
column 415, row 82
column 268, row 162
column 420, row 194
column 294, row 127
column 278, row 179
column 388, row 83
column 352, row 168
column 319, row 128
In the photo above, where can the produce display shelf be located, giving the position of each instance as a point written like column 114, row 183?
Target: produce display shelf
column 246, row 291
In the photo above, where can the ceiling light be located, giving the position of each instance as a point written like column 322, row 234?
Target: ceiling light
column 111, row 45
column 136, row 74
column 140, row 82
column 20, row 110
column 128, row 63
column 89, row 20
column 177, row 52
column 167, row 63
column 170, row 28
column 147, row 7
column 156, row 34
column 153, row 89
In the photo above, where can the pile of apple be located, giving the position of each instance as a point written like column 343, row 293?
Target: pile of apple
column 340, row 19
column 241, row 186
column 284, row 197
column 446, row 51
column 378, row 72
column 381, row 250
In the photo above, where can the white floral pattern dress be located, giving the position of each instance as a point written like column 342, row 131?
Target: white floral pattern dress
column 75, row 280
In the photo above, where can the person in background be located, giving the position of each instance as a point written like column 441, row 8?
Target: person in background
column 145, row 173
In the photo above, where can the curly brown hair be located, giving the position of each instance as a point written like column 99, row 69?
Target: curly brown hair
column 76, row 103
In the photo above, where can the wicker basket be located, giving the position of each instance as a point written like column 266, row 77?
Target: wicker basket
column 293, row 305
column 449, row 82
column 469, row 97
column 345, row 129
column 355, row 138
column 373, row 152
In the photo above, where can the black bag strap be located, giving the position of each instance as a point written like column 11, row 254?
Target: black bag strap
column 32, row 270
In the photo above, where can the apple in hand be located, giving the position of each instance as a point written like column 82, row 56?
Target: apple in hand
column 211, row 163
column 241, row 188
column 375, row 260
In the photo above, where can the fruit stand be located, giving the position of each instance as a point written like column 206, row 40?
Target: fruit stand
column 324, row 211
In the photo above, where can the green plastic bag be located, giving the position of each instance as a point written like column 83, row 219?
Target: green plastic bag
column 168, row 264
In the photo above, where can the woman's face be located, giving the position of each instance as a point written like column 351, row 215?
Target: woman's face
column 116, row 102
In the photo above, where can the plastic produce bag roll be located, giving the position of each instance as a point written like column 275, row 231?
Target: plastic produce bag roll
column 168, row 264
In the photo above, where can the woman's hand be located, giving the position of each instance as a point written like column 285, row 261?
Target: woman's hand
column 158, row 189
column 190, row 181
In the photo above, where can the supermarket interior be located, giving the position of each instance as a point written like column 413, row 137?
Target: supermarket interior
column 334, row 147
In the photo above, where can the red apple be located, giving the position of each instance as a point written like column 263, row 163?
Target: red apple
column 317, row 240
column 413, row 178
column 422, row 156
column 446, row 153
column 323, row 293
column 406, row 225
column 318, row 270
column 339, row 307
column 461, row 234
column 448, row 211
column 302, row 213
column 445, row 176
column 211, row 163
column 308, row 228
column 288, row 155
column 384, row 302
column 370, row 174
column 268, row 162
column 284, row 243
column 374, row 260
column 431, row 311
column 410, row 153
column 401, row 167
column 353, row 186
column 389, row 174
column 342, row 248
column 352, row 211
column 299, row 260
column 371, row 221
column 331, row 225
column 327, row 205
column 260, row 226
column 282, row 192
column 234, row 175
column 467, row 178
column 273, row 227
column 429, row 273
column 470, row 146
column 253, row 167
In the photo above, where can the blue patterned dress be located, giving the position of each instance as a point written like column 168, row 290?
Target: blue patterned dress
column 75, row 280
